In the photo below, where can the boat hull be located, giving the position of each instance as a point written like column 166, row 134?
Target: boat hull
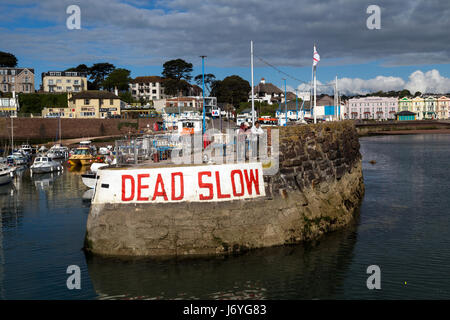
column 89, row 179
column 5, row 178
column 81, row 162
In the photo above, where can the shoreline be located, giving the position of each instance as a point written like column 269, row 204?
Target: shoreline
column 405, row 132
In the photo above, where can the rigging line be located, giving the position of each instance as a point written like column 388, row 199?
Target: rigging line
column 292, row 77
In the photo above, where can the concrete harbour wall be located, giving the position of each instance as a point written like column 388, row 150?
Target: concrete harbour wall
column 318, row 189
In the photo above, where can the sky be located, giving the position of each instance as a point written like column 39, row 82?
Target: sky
column 411, row 49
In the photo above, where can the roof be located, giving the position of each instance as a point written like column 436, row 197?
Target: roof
column 94, row 94
column 182, row 109
column 147, row 79
column 267, row 88
column 405, row 113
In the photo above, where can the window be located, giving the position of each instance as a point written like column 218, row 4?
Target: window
column 86, row 101
column 50, row 82
column 13, row 72
column 69, row 88
column 68, row 81
column 111, row 102
column 76, row 81
column 58, row 81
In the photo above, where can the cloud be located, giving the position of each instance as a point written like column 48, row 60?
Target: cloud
column 425, row 82
column 428, row 82
column 148, row 33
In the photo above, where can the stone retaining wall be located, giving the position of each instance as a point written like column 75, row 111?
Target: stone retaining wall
column 318, row 189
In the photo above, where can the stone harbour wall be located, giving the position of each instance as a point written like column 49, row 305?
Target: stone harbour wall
column 318, row 189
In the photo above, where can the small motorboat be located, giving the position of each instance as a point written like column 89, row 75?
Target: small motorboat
column 45, row 165
column 90, row 178
column 83, row 155
column 58, row 152
column 6, row 174
column 26, row 149
column 18, row 159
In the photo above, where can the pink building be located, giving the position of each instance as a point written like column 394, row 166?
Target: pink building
column 377, row 108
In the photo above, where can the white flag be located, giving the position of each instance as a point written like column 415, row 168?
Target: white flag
column 316, row 57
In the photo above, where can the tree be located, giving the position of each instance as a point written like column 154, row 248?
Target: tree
column 126, row 96
column 175, row 87
column 99, row 71
column 7, row 60
column 209, row 80
column 404, row 93
column 80, row 68
column 119, row 78
column 177, row 69
column 232, row 89
column 417, row 94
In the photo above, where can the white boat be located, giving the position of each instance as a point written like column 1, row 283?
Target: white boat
column 6, row 174
column 3, row 160
column 45, row 165
column 26, row 149
column 90, row 178
column 17, row 158
column 58, row 152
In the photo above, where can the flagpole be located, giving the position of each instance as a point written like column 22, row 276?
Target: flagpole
column 253, row 89
column 315, row 117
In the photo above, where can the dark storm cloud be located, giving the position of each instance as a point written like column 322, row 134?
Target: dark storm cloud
column 143, row 33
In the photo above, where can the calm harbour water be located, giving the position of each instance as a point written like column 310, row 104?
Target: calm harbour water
column 403, row 227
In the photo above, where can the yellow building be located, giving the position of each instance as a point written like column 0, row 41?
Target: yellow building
column 91, row 104
column 443, row 108
column 404, row 104
column 64, row 81
column 418, row 107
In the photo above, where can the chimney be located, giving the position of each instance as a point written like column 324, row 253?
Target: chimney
column 116, row 92
column 263, row 81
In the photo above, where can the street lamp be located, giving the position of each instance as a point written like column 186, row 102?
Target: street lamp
column 203, row 92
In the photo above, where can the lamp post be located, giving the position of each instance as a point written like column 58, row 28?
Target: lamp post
column 203, row 92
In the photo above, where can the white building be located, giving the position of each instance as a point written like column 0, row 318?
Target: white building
column 9, row 106
column 266, row 92
column 149, row 88
column 376, row 108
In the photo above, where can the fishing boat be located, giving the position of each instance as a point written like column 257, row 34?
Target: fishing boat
column 6, row 174
column 83, row 155
column 45, row 165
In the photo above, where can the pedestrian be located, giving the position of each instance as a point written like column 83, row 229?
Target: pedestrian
column 256, row 133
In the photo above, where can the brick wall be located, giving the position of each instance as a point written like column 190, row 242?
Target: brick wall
column 45, row 128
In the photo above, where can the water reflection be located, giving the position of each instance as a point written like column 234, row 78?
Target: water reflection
column 293, row 272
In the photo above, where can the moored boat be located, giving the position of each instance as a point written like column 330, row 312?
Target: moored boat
column 6, row 174
column 82, row 156
column 45, row 165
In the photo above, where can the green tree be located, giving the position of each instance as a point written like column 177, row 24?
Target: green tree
column 175, row 87
column 417, row 94
column 80, row 68
column 119, row 78
column 232, row 89
column 404, row 93
column 209, row 80
column 7, row 60
column 177, row 69
column 98, row 72
column 126, row 96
